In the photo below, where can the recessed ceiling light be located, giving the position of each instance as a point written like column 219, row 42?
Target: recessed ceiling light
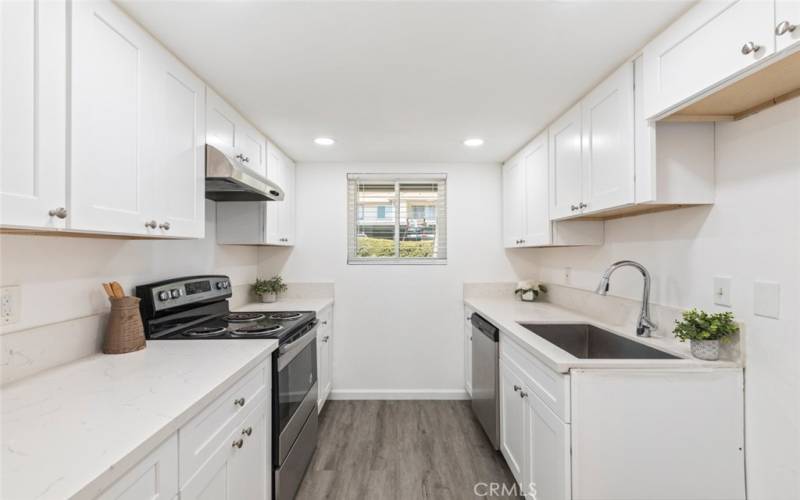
column 324, row 141
column 474, row 142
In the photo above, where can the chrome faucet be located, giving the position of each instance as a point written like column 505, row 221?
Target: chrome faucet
column 645, row 325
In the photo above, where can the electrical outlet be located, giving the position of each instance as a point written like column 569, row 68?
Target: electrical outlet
column 722, row 291
column 9, row 304
column 567, row 275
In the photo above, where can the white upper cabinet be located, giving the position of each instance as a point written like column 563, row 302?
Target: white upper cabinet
column 114, row 86
column 228, row 131
column 712, row 42
column 526, row 204
column 137, row 131
column 607, row 178
column 566, row 164
column 787, row 23
column 32, row 114
column 262, row 222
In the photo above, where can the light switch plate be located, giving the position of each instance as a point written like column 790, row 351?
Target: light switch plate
column 722, row 290
column 767, row 299
column 9, row 304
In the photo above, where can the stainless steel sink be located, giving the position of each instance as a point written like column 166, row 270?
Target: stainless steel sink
column 589, row 342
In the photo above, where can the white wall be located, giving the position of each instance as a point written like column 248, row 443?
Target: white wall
column 60, row 280
column 397, row 328
column 750, row 233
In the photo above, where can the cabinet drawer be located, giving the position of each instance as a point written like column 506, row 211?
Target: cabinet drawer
column 551, row 387
column 202, row 435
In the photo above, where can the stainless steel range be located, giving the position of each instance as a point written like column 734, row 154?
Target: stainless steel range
column 196, row 308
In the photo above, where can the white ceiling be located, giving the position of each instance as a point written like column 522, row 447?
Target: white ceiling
column 403, row 81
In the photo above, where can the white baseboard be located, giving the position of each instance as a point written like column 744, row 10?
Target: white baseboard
column 391, row 394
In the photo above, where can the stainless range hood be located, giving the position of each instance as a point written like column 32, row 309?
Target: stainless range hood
column 228, row 180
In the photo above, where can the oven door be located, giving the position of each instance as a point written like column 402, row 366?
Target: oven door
column 295, row 390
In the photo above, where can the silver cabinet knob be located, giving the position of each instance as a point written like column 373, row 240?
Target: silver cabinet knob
column 784, row 27
column 238, row 402
column 522, row 241
column 523, row 394
column 152, row 224
column 240, row 157
column 164, row 226
column 574, row 207
column 325, row 338
column 582, row 205
column 59, row 212
column 750, row 48
column 247, row 432
column 517, row 388
column 238, row 443
column 247, row 159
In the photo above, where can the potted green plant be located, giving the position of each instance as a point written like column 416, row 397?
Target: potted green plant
column 269, row 289
column 529, row 291
column 705, row 331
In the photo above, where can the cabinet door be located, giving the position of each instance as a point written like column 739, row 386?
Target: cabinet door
column 468, row 350
column 787, row 14
column 154, row 478
column 252, row 147
column 113, row 121
column 277, row 171
column 287, row 206
column 325, row 356
column 512, row 202
column 565, row 164
column 608, row 137
column 705, row 47
column 220, row 123
column 536, row 217
column 512, row 420
column 547, row 454
column 32, row 113
column 179, row 178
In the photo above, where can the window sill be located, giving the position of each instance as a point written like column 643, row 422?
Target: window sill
column 394, row 262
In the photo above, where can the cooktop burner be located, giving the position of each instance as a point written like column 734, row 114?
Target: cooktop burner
column 204, row 331
column 249, row 331
column 243, row 317
column 287, row 316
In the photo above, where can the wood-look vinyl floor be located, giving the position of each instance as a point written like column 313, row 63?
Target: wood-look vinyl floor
column 401, row 450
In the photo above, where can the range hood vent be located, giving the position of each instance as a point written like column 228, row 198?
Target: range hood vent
column 228, row 180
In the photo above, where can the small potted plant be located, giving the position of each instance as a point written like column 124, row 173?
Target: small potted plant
column 705, row 331
column 529, row 291
column 269, row 289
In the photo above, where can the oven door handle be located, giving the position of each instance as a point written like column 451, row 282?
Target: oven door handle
column 288, row 351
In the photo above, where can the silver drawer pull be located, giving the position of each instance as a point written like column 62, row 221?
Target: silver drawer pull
column 517, row 388
column 152, row 224
column 750, row 48
column 325, row 338
column 238, row 443
column 523, row 394
column 239, row 402
column 784, row 27
column 59, row 212
column 165, row 226
column 247, row 432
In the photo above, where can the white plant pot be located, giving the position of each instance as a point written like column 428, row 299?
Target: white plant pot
column 705, row 349
column 528, row 296
column 269, row 297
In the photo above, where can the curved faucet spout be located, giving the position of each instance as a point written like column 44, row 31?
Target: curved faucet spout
column 645, row 325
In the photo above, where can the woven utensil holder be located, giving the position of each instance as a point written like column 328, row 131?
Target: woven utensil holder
column 124, row 332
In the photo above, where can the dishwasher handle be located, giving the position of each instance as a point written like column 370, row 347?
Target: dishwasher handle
column 485, row 327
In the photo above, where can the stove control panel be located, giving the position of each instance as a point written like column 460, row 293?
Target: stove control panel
column 177, row 293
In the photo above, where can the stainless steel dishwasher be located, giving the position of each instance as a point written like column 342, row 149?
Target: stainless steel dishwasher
column 485, row 366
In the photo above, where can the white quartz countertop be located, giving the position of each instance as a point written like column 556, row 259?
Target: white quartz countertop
column 507, row 314
column 311, row 304
column 71, row 431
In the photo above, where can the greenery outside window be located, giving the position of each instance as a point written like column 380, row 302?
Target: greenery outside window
column 397, row 219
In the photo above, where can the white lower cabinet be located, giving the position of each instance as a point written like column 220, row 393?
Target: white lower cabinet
column 154, row 478
column 533, row 440
column 468, row 312
column 324, row 356
column 223, row 453
column 240, row 468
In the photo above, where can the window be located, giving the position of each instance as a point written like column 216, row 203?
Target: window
column 397, row 219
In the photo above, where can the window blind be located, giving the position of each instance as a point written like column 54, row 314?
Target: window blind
column 397, row 218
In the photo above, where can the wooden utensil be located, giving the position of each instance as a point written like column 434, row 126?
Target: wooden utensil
column 109, row 291
column 116, row 288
